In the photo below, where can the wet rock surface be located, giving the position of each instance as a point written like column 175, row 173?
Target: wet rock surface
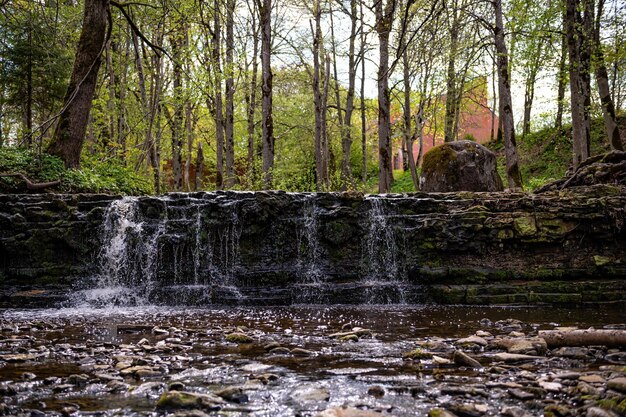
column 276, row 248
column 152, row 361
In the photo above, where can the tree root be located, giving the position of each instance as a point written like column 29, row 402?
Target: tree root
column 32, row 186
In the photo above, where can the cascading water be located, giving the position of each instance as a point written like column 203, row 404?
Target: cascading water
column 128, row 259
column 234, row 248
column 309, row 263
column 381, row 270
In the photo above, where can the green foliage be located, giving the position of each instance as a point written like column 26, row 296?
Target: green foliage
column 95, row 176
column 546, row 155
column 403, row 183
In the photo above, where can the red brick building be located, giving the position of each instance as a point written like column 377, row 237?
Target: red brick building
column 476, row 119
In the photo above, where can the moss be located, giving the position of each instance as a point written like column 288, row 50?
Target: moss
column 601, row 260
column 525, row 225
column 238, row 337
column 417, row 354
column 614, row 404
column 436, row 160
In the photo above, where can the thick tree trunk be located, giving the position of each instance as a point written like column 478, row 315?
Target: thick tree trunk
column 578, row 39
column 230, row 95
column 384, row 20
column 265, row 11
column 217, row 83
column 513, row 175
column 67, row 142
column 602, row 80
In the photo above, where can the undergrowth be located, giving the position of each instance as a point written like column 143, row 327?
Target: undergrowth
column 94, row 176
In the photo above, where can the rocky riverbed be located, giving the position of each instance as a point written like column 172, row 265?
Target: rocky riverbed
column 308, row 361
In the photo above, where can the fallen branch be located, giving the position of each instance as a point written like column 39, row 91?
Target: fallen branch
column 32, row 185
column 591, row 337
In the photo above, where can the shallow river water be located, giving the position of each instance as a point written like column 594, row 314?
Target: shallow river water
column 121, row 361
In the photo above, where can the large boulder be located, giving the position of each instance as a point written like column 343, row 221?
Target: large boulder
column 460, row 166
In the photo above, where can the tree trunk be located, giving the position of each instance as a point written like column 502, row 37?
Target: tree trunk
column 346, row 127
column 199, row 167
column 578, row 39
column 363, row 118
column 513, row 175
column 219, row 118
column 230, row 95
column 251, row 97
column 384, row 21
column 265, row 12
column 67, row 142
column 451, row 81
column 176, row 42
column 608, row 338
column 325, row 139
column 529, row 93
column 561, row 80
column 317, row 97
column 190, row 142
column 602, row 80
column 406, row 113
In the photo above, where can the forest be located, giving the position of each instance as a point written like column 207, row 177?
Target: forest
column 159, row 95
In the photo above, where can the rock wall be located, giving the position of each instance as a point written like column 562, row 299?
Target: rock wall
column 279, row 248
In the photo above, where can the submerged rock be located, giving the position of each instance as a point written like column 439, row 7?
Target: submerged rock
column 175, row 400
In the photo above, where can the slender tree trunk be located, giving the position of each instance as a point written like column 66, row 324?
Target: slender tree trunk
column 176, row 42
column 199, row 168
column 317, row 97
column 451, row 80
column 529, row 93
column 251, row 97
column 325, row 140
column 578, row 37
column 265, row 11
column 363, row 119
column 602, row 80
column 408, row 134
column 29, row 84
column 190, row 143
column 513, row 175
column 561, row 80
column 67, row 142
column 494, row 72
column 384, row 21
column 219, row 117
column 111, row 99
column 230, row 95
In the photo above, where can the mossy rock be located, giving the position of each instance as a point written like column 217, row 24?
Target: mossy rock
column 460, row 166
column 181, row 400
column 238, row 337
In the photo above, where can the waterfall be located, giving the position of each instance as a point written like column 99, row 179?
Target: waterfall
column 381, row 272
column 234, row 248
column 310, row 282
column 128, row 258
